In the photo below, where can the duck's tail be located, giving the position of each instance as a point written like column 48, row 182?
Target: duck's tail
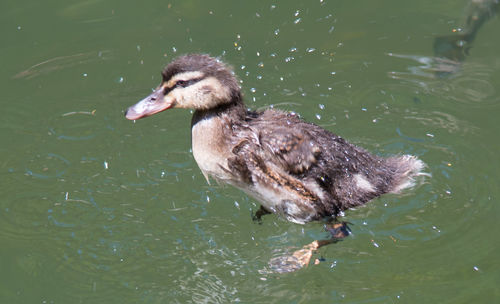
column 407, row 170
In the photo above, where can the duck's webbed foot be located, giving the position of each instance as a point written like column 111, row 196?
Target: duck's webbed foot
column 298, row 259
column 302, row 257
column 257, row 217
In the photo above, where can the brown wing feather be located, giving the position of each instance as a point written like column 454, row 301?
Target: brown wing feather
column 295, row 152
column 268, row 138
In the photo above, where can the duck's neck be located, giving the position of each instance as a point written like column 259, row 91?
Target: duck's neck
column 235, row 109
column 211, row 133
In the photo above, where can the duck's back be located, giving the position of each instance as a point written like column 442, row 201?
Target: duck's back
column 306, row 172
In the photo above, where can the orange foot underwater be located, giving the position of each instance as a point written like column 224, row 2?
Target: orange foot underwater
column 302, row 257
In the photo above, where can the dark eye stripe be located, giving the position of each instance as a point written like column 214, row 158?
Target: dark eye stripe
column 186, row 83
column 181, row 84
column 167, row 90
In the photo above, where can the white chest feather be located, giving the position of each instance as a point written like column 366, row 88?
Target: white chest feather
column 209, row 148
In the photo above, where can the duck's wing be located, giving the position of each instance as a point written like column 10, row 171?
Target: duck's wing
column 294, row 150
column 274, row 165
column 281, row 142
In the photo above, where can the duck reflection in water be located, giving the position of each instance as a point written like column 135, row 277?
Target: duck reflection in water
column 452, row 49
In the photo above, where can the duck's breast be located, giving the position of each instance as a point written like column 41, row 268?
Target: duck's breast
column 210, row 146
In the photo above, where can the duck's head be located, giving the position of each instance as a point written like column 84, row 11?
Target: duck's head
column 195, row 81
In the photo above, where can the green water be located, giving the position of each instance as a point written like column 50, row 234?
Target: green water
column 98, row 209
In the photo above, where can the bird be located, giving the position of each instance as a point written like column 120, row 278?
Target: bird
column 295, row 169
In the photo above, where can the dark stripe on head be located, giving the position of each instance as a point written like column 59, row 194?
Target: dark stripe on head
column 182, row 84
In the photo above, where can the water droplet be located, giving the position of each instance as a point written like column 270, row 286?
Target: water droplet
column 321, row 106
column 276, row 32
column 297, row 20
column 318, row 116
column 436, row 228
column 310, row 50
column 292, row 50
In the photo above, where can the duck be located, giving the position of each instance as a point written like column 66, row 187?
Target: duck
column 295, row 169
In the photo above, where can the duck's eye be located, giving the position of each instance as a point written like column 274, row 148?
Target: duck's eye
column 186, row 83
column 182, row 83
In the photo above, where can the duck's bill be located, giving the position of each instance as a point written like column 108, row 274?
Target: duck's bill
column 154, row 103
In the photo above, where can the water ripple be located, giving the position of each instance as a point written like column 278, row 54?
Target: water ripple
column 74, row 126
column 468, row 82
column 62, row 62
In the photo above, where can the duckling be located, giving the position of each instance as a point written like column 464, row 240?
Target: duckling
column 292, row 167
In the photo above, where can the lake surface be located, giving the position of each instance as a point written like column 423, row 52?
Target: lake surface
column 98, row 209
